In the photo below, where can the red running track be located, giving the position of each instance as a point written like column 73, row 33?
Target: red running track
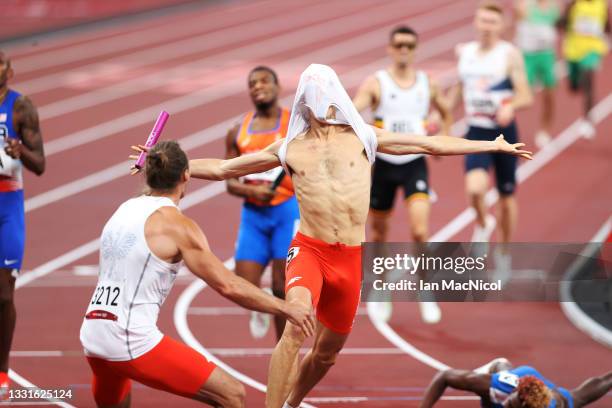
column 99, row 91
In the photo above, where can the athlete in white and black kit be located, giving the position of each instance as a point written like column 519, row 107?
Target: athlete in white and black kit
column 400, row 98
column 494, row 85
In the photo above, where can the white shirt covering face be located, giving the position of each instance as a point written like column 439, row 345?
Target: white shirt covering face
column 318, row 89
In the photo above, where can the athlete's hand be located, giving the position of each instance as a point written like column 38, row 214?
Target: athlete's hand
column 301, row 315
column 515, row 149
column 12, row 147
column 505, row 115
column 262, row 192
column 139, row 149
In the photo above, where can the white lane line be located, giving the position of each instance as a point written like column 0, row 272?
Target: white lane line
column 557, row 146
column 235, row 86
column 402, row 344
column 433, row 48
column 359, row 399
column 57, row 263
column 270, row 26
column 167, row 31
column 234, row 311
column 26, row 384
column 210, row 66
column 36, row 353
column 572, row 311
column 564, row 140
column 182, row 327
column 202, row 194
column 266, row 351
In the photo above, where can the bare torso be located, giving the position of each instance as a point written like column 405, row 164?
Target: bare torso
column 331, row 176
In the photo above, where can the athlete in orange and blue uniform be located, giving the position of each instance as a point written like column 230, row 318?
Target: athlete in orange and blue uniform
column 269, row 217
column 20, row 146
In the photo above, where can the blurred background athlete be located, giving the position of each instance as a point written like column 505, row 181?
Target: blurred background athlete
column 269, row 216
column 400, row 98
column 21, row 146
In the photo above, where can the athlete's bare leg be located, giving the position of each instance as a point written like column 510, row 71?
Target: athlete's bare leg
column 251, row 271
column 221, row 390
column 507, row 217
column 278, row 290
column 588, row 88
column 548, row 109
column 380, row 225
column 418, row 215
column 317, row 363
column 8, row 316
column 284, row 361
column 476, row 184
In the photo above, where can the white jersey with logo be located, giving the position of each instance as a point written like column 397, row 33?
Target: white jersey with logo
column 132, row 286
column 486, row 82
column 402, row 110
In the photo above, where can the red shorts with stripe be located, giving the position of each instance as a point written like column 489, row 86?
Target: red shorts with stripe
column 170, row 366
column 332, row 274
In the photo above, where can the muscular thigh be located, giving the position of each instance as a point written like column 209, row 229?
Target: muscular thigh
column 328, row 342
column 341, row 290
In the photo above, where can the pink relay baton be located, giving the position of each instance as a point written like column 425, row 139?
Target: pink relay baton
column 156, row 132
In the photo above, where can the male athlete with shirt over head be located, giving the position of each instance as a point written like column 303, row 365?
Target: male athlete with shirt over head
column 21, row 146
column 494, row 85
column 143, row 245
column 400, row 98
column 269, row 217
column 328, row 151
column 522, row 387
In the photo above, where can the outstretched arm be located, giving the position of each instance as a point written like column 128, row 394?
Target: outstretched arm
column 217, row 169
column 200, row 260
column 459, row 379
column 592, row 389
column 400, row 143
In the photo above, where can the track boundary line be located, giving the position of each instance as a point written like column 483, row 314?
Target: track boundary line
column 192, row 141
column 572, row 311
column 182, row 327
column 236, row 86
column 557, row 146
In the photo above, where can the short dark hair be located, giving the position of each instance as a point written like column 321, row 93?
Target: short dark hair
column 266, row 69
column 166, row 162
column 491, row 5
column 403, row 29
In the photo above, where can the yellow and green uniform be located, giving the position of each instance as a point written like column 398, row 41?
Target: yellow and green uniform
column 584, row 43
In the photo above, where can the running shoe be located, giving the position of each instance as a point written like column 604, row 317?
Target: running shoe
column 260, row 322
